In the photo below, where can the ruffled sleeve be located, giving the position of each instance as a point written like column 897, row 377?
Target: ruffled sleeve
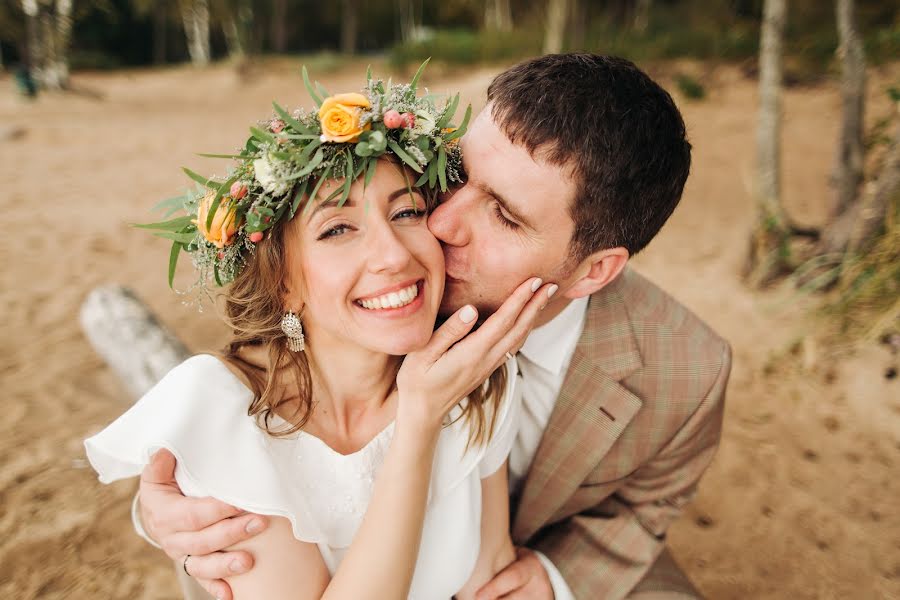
column 198, row 411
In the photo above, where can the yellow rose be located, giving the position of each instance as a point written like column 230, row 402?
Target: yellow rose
column 339, row 116
column 225, row 223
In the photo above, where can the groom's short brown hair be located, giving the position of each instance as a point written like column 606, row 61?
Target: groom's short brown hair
column 619, row 132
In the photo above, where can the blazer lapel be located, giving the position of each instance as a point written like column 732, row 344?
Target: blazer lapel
column 592, row 411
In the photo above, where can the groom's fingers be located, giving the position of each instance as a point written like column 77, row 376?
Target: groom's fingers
column 216, row 588
column 160, row 469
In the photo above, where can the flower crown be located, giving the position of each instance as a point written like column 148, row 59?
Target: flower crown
column 289, row 157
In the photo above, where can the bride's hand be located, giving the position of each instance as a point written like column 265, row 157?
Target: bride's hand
column 434, row 379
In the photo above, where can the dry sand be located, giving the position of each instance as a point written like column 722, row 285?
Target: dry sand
column 801, row 501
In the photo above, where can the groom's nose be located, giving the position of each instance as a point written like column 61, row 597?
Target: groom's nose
column 448, row 222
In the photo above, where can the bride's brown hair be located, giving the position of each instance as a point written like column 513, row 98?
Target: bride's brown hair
column 253, row 308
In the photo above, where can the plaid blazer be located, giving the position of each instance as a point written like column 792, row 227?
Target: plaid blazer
column 636, row 424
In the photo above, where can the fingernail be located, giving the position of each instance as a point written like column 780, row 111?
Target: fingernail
column 552, row 290
column 536, row 284
column 468, row 314
column 254, row 526
column 236, row 566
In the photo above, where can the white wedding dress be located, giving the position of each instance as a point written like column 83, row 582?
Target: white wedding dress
column 199, row 412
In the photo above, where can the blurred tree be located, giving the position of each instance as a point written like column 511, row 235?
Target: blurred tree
column 349, row 23
column 848, row 164
column 557, row 17
column 410, row 19
column 49, row 25
column 195, row 15
column 642, row 15
column 279, row 26
column 498, row 15
column 767, row 258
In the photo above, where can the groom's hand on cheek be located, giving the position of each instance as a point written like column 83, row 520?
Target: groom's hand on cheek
column 524, row 579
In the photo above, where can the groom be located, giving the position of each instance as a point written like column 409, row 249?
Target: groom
column 573, row 167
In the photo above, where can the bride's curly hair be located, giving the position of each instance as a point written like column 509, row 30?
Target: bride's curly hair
column 253, row 309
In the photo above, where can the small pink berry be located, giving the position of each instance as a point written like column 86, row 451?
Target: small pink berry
column 409, row 120
column 221, row 255
column 276, row 126
column 256, row 236
column 393, row 119
column 238, row 190
column 268, row 219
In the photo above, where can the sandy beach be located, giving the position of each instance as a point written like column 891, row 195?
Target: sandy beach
column 801, row 501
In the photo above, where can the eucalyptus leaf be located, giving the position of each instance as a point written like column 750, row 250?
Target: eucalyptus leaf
column 262, row 135
column 310, row 89
column 298, row 196
column 315, row 191
column 288, row 119
column 442, row 168
column 214, row 205
column 404, row 156
column 206, row 155
column 207, row 183
column 461, row 130
column 449, row 111
column 415, row 79
column 370, row 171
column 173, row 261
column 171, row 225
column 181, row 238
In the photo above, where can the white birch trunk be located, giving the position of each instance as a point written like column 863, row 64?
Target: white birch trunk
column 129, row 338
column 557, row 13
column 233, row 37
column 497, row 15
column 63, row 34
column 642, row 15
column 847, row 173
column 195, row 16
column 767, row 256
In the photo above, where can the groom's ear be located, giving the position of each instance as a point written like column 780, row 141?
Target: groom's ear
column 596, row 271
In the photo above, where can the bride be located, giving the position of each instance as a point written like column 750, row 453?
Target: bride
column 377, row 443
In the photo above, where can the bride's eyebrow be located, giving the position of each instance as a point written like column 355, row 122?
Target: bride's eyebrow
column 330, row 204
column 403, row 192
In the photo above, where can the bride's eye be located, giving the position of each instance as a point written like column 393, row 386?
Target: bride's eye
column 409, row 213
column 335, row 231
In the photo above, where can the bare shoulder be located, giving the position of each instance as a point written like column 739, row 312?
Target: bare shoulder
column 284, row 567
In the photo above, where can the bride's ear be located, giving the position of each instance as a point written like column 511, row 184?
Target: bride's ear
column 596, row 271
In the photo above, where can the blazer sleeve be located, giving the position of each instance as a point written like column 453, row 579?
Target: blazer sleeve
column 605, row 552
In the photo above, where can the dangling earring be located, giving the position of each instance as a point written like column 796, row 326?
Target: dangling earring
column 293, row 329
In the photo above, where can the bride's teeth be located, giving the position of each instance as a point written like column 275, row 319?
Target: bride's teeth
column 392, row 299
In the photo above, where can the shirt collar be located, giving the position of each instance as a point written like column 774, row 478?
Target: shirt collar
column 551, row 345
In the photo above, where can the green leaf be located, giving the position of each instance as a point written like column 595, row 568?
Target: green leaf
column 205, row 155
column 432, row 174
column 173, row 261
column 442, row 168
column 315, row 191
column 281, row 155
column 307, row 152
column 262, row 135
column 370, row 171
column 368, row 73
column 423, row 179
column 298, row 196
column 287, row 118
column 462, row 128
column 207, row 183
column 172, row 225
column 174, row 202
column 348, row 179
column 315, row 162
column 181, row 238
column 395, row 147
column 325, row 93
column 415, row 79
column 214, row 205
column 449, row 111
column 216, row 275
column 310, row 89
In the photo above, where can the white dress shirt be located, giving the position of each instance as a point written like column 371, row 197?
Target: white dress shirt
column 543, row 362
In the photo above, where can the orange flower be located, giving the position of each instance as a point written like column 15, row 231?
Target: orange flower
column 225, row 222
column 339, row 116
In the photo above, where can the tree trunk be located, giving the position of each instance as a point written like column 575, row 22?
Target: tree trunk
column 279, row 26
column 63, row 34
column 642, row 15
column 848, row 164
column 349, row 21
column 233, row 37
column 497, row 15
column 30, row 8
column 129, row 338
column 768, row 253
column 409, row 19
column 195, row 15
column 160, row 18
column 854, row 230
column 557, row 16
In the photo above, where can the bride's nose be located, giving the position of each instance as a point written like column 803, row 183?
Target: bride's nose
column 386, row 252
